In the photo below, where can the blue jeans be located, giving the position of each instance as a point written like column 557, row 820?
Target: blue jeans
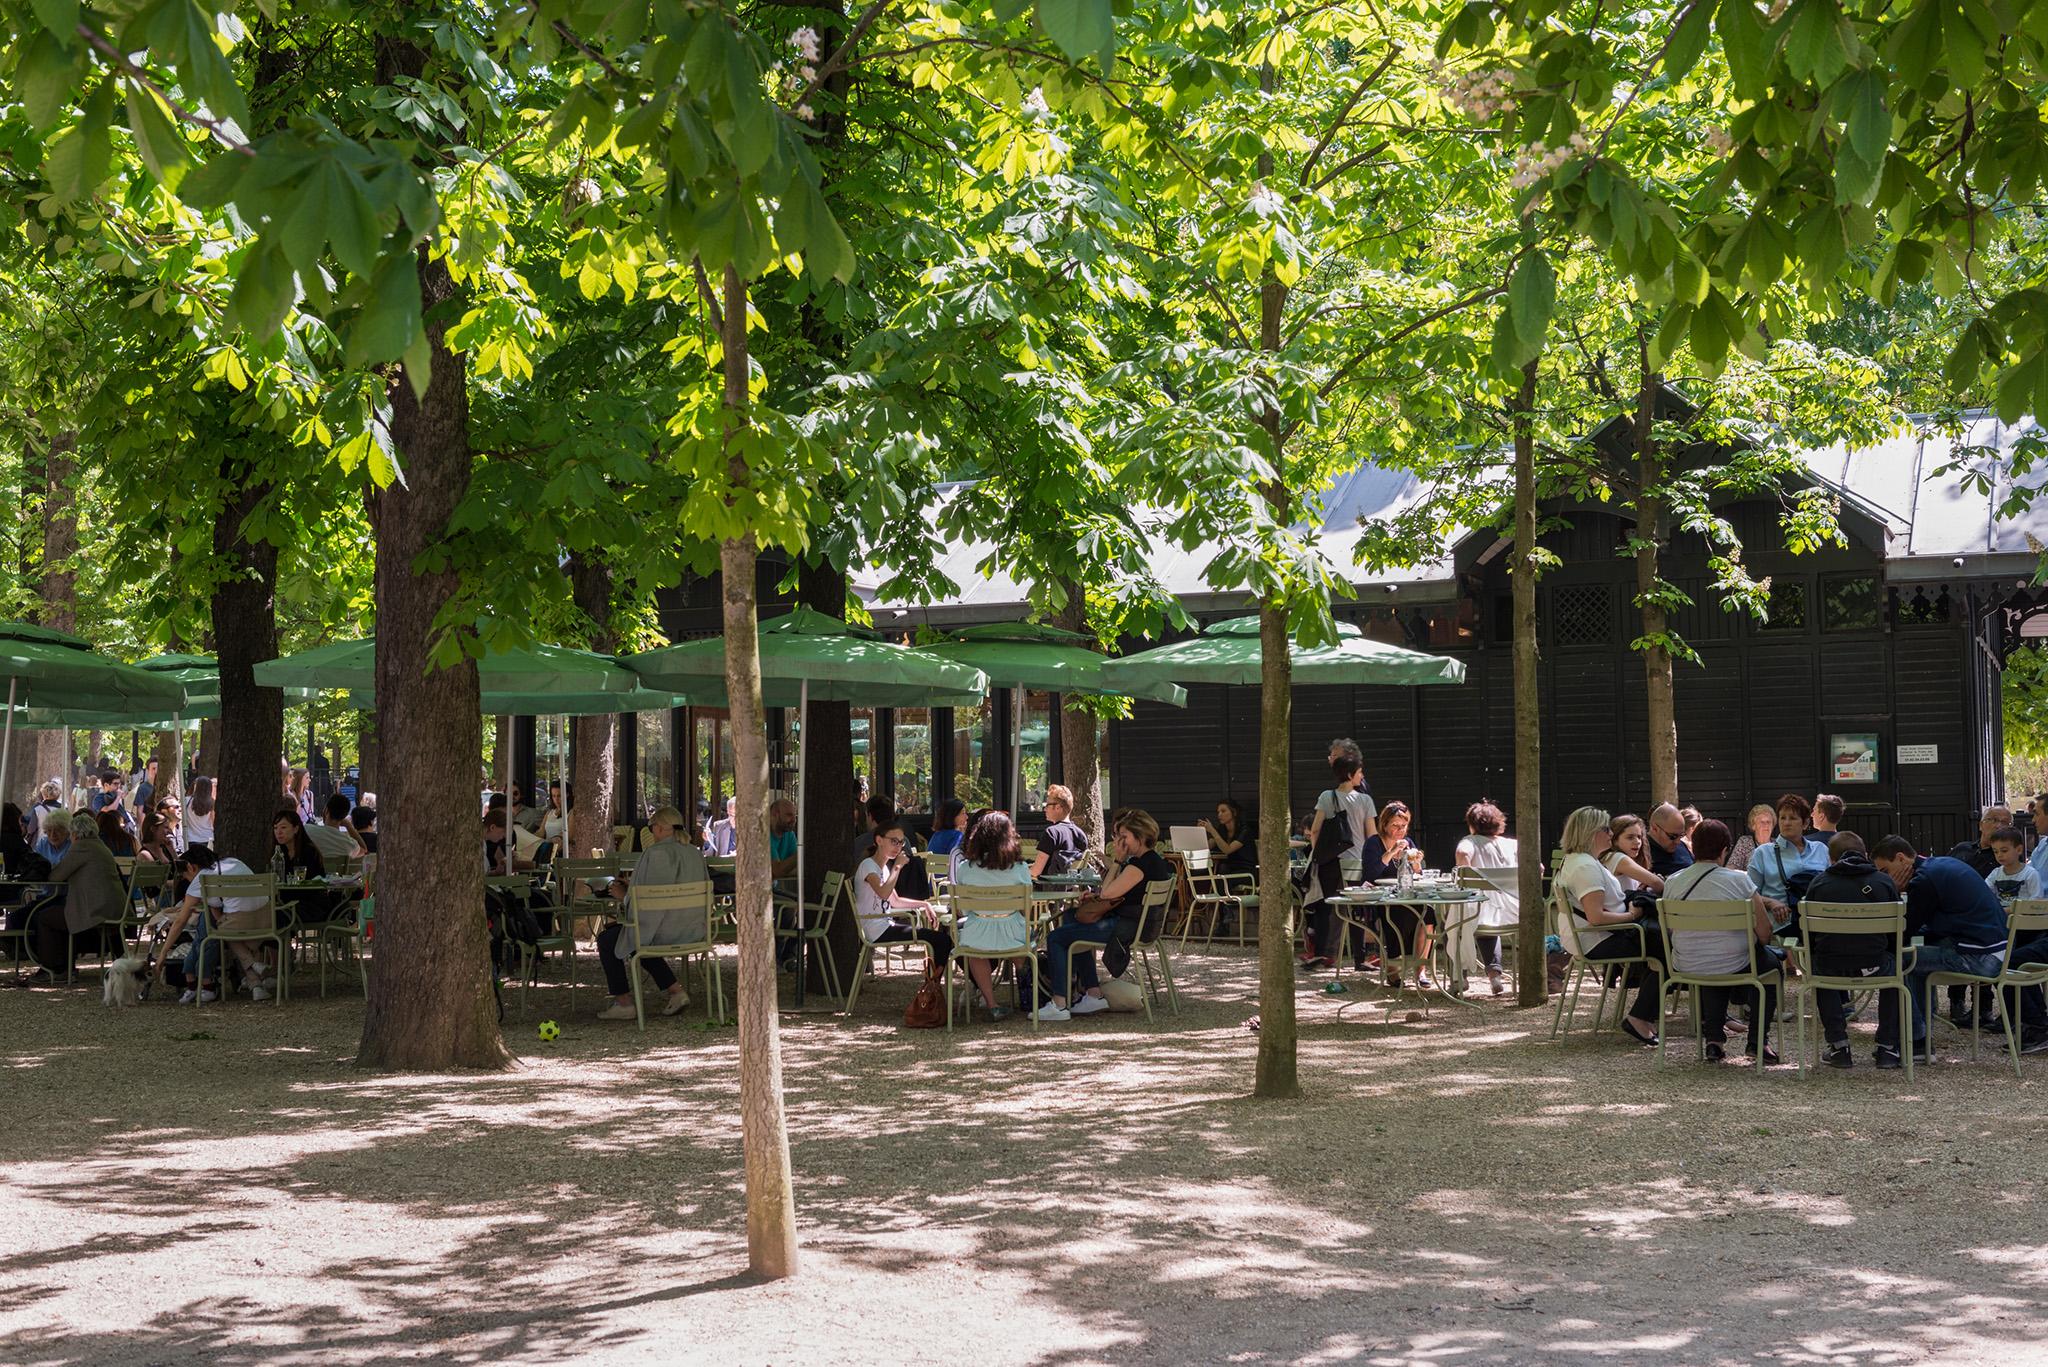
column 1057, row 941
column 199, row 964
column 2033, row 1010
column 1942, row 959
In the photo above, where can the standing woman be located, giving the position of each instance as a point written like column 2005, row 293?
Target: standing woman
column 1763, row 826
column 554, row 826
column 1344, row 816
column 302, row 795
column 1484, row 847
column 199, row 814
column 1628, row 858
column 1608, row 927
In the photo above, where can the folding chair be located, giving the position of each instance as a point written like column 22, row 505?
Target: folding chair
column 1158, row 900
column 817, row 932
column 971, row 903
column 1684, row 916
column 1487, row 883
column 674, row 897
column 1575, row 978
column 1881, row 919
column 2029, row 915
column 242, row 886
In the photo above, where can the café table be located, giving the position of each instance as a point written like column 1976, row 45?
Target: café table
column 1450, row 906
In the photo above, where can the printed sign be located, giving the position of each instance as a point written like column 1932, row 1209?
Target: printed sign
column 1852, row 756
column 1919, row 754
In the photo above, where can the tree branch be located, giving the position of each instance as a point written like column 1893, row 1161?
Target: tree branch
column 1350, row 103
column 121, row 62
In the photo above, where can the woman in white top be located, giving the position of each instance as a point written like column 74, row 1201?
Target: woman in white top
column 199, row 813
column 991, row 857
column 1709, row 879
column 1486, row 848
column 554, row 825
column 1608, row 927
column 1625, row 858
column 875, row 897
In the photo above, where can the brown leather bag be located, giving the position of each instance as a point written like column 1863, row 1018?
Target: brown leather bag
column 927, row 1010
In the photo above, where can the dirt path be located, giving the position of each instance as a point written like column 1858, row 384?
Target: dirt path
column 1458, row 1192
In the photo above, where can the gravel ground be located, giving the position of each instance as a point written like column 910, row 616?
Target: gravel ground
column 221, row 1186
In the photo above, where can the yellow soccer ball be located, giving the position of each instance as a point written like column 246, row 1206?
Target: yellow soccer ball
column 549, row 1031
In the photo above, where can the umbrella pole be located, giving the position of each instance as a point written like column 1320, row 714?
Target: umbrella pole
column 7, row 741
column 562, row 779
column 510, row 746
column 1016, row 753
column 177, row 779
column 803, row 761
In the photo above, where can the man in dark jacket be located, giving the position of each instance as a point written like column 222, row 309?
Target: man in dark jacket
column 1668, row 853
column 1954, row 909
column 1851, row 877
column 1977, row 853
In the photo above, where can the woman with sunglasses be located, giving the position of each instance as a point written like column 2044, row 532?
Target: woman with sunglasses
column 875, row 897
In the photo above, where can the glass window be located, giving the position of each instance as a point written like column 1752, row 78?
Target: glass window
column 654, row 733
column 974, row 754
column 713, row 744
column 1848, row 603
column 1786, row 610
column 911, row 789
column 1036, row 748
column 860, row 723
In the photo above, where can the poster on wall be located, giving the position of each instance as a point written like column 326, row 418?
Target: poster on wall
column 1852, row 756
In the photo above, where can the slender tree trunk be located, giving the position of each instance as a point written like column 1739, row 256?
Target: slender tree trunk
column 1660, row 707
column 431, row 1005
column 764, row 1132
column 594, row 746
column 245, row 634
column 366, row 754
column 1531, row 973
column 57, row 607
column 1080, row 745
column 1277, row 1076
column 828, row 790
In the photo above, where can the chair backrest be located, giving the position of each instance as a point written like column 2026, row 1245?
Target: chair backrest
column 570, row 872
column 243, row 885
column 125, row 863
column 1158, row 899
column 660, row 897
column 1196, row 860
column 1684, row 916
column 2028, row 914
column 1030, row 848
column 1821, row 919
column 983, row 902
column 147, row 876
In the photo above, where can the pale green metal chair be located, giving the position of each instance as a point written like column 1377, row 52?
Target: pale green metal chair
column 973, row 903
column 674, row 897
column 1886, row 920
column 1684, row 916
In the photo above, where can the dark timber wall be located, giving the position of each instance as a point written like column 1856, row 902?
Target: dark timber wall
column 1842, row 653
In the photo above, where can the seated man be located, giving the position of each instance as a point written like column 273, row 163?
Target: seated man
column 333, row 836
column 1851, row 877
column 364, row 819
column 1113, row 914
column 781, row 839
column 1978, row 853
column 723, row 837
column 1709, row 879
column 1064, row 844
column 1954, row 909
column 666, row 861
column 1668, row 849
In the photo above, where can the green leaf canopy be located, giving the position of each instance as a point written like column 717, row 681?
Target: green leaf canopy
column 1229, row 653
column 840, row 663
column 528, row 681
column 1026, row 655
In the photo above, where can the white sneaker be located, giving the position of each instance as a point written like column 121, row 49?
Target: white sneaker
column 676, row 1002
column 1050, row 1012
column 618, row 1012
column 258, row 992
column 1087, row 1006
column 189, row 997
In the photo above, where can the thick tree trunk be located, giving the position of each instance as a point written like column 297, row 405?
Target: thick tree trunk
column 169, row 782
column 594, row 747
column 764, row 1132
column 50, row 755
column 828, row 790
column 1659, row 706
column 366, row 754
column 431, row 1005
column 1531, row 975
column 1080, row 747
column 245, row 634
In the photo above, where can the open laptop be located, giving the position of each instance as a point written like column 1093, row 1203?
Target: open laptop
column 1187, row 837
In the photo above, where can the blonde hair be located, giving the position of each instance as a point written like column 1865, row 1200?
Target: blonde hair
column 56, row 819
column 1749, row 822
column 1580, row 828
column 1140, row 823
column 1060, row 793
column 671, row 818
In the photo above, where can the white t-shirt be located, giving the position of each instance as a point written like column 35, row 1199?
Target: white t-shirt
column 1710, row 951
column 1611, row 861
column 228, row 906
column 992, row 932
column 1582, row 875
column 1496, row 909
column 334, row 844
column 198, row 829
column 2015, row 886
column 869, row 910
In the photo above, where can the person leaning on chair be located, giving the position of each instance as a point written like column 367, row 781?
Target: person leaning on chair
column 1851, row 877
column 1709, row 879
column 1609, row 927
column 666, row 861
column 1948, row 904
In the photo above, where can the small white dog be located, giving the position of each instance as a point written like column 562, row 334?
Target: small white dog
column 126, row 982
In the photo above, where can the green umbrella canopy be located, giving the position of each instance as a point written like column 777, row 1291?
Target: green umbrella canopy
column 528, row 681
column 1228, row 653
column 52, row 669
column 840, row 663
column 1026, row 655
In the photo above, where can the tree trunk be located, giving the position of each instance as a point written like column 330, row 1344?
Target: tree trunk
column 1531, row 973
column 764, row 1132
column 57, row 608
column 431, row 1006
column 828, row 786
column 169, row 782
column 244, row 635
column 594, row 744
column 366, row 754
column 1080, row 746
column 1659, row 706
column 1277, row 1076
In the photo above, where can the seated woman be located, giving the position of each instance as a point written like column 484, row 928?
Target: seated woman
column 949, row 828
column 1384, row 854
column 157, row 844
column 95, row 896
column 671, row 858
column 875, row 896
column 1114, row 913
column 1775, row 864
column 55, row 835
column 1709, row 879
column 1762, row 823
column 113, row 833
column 1234, row 848
column 1608, row 927
column 1484, row 847
column 992, row 857
column 1627, row 856
column 302, row 862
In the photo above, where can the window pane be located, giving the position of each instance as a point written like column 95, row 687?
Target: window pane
column 1037, row 748
column 860, row 722
column 974, row 781
column 1849, row 604
column 657, row 760
column 912, row 788
column 1787, row 609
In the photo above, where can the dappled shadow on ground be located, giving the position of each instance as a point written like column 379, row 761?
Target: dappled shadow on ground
column 222, row 1186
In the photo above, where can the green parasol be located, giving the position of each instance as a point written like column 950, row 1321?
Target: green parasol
column 1025, row 655
column 1229, row 653
column 46, row 667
